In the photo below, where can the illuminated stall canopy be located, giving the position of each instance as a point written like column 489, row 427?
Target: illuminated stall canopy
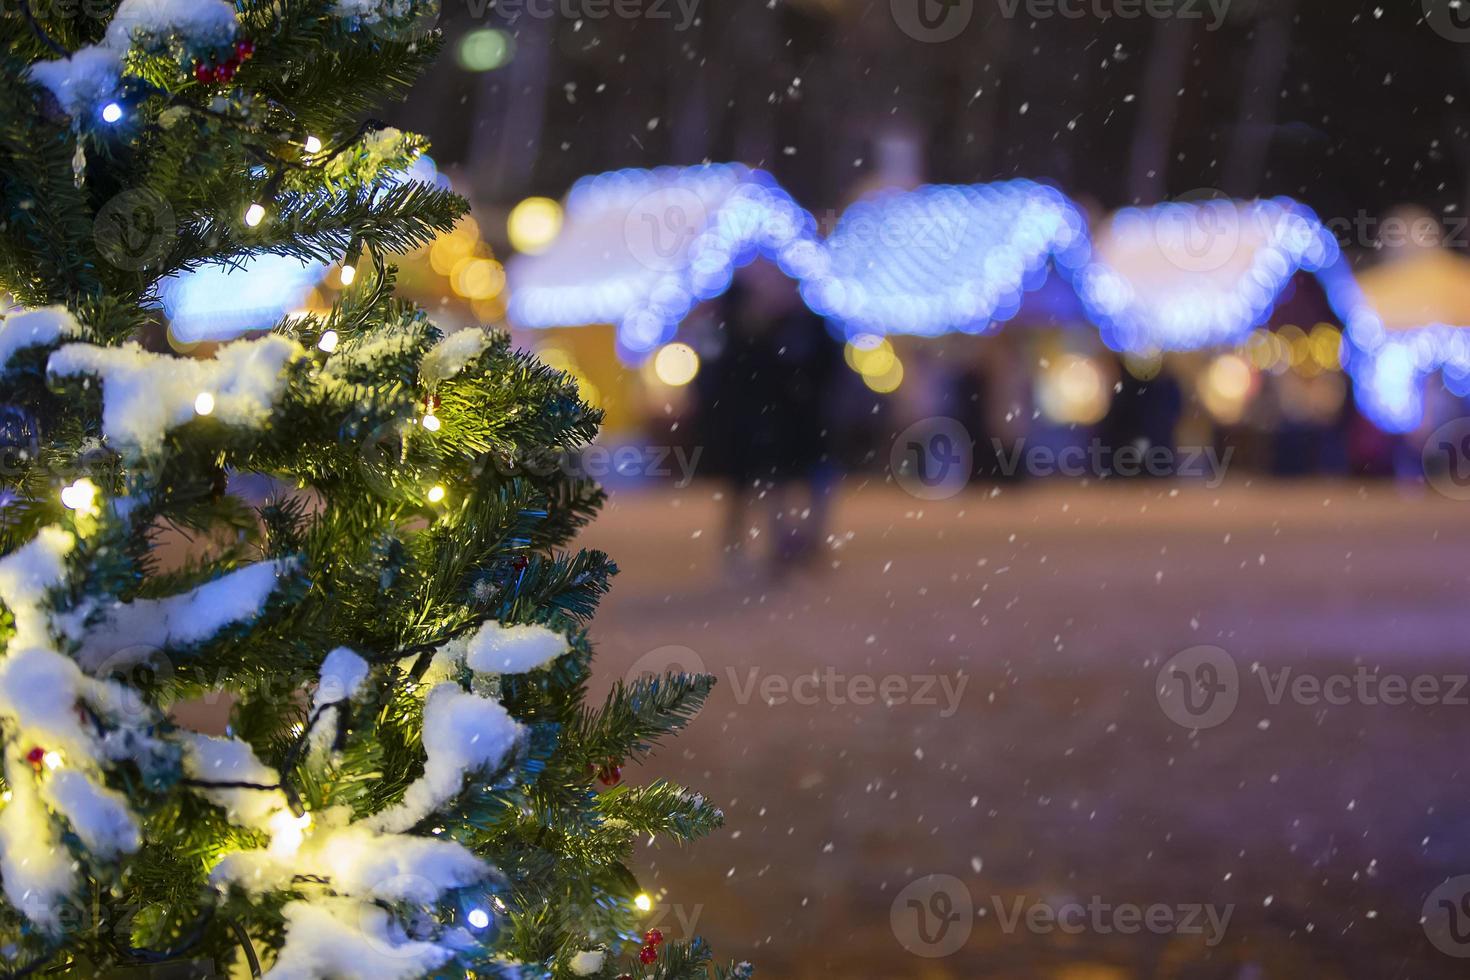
column 1407, row 318
column 1187, row 275
column 639, row 248
column 942, row 259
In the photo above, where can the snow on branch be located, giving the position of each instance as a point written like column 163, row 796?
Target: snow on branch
column 144, row 395
column 135, row 629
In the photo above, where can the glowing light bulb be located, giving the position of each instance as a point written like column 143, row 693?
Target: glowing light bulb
column 313, row 145
column 436, row 494
column 478, row 918
column 349, row 273
column 430, row 422
column 287, row 831
column 534, row 224
column 643, row 902
column 327, row 341
column 203, row 403
column 6, row 796
column 676, row 364
column 80, row 495
column 111, row 112
column 254, row 215
column 52, row 760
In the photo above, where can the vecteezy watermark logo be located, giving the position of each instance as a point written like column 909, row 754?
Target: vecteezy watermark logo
column 1446, row 458
column 403, row 21
column 660, row 225
column 1099, row 460
column 1201, row 687
column 683, row 13
column 1102, row 918
column 933, row 916
column 1446, row 917
column 1450, row 19
column 1198, row 687
column 933, row 458
column 662, row 660
column 828, row 685
column 135, row 229
column 1199, row 231
column 932, row 21
column 1104, row 10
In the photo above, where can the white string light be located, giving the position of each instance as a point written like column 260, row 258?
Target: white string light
column 80, row 495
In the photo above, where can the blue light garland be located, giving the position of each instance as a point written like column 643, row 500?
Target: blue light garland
column 642, row 247
column 943, row 258
column 660, row 241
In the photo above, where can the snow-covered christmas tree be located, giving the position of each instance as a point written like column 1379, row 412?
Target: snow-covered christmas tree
column 411, row 782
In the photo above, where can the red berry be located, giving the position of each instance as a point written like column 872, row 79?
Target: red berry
column 519, row 563
column 431, row 403
column 204, row 73
column 647, row 955
column 226, row 71
column 35, row 755
column 244, row 49
column 611, row 774
column 653, row 937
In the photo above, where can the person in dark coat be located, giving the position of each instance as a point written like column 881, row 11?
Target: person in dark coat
column 764, row 405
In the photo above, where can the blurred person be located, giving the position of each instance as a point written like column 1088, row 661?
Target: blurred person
column 765, row 406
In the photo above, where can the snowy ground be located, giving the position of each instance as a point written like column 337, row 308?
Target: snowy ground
column 1053, row 776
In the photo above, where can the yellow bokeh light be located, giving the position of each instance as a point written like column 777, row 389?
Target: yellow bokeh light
column 1225, row 388
column 643, row 902
column 1326, row 343
column 436, row 494
column 489, row 310
column 457, row 244
column 1071, row 391
column 1144, row 366
column 871, row 356
column 885, row 381
column 1263, row 349
column 534, row 224
column 676, row 364
column 478, row 278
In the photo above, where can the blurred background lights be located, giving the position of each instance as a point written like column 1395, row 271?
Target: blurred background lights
column 203, row 403
column 888, row 378
column 676, row 364
column 111, row 112
column 478, row 918
column 1225, row 388
column 871, row 356
column 485, row 50
column 214, row 302
column 478, row 278
column 534, row 224
column 1072, row 391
